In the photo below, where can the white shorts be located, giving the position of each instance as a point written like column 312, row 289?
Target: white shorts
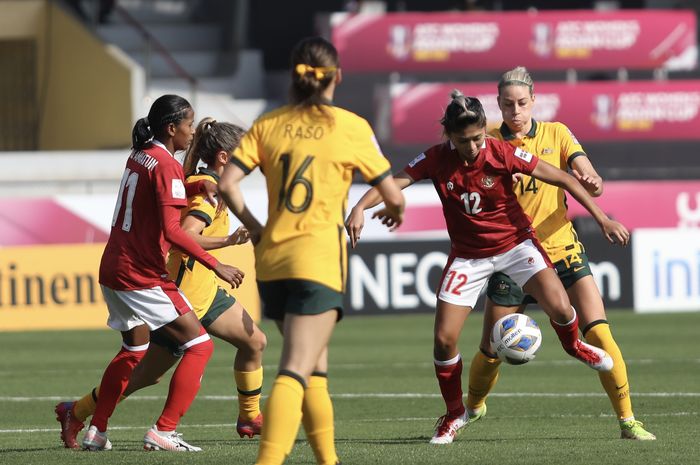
column 463, row 279
column 155, row 307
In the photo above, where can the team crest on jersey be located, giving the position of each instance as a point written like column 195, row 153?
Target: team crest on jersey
column 547, row 151
column 450, row 185
column 417, row 160
column 530, row 261
column 488, row 182
column 523, row 155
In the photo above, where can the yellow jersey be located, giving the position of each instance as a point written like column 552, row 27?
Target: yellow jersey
column 308, row 161
column 198, row 283
column 544, row 203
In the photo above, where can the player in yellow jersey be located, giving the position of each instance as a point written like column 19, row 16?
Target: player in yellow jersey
column 546, row 205
column 308, row 151
column 220, row 314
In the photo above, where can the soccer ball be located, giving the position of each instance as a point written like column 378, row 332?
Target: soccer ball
column 515, row 338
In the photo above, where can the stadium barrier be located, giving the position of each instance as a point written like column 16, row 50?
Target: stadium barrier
column 56, row 286
column 542, row 40
column 594, row 111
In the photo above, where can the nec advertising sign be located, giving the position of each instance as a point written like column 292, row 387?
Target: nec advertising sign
column 402, row 276
column 666, row 269
column 396, row 276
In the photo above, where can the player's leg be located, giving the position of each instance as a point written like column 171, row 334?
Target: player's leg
column 317, row 414
column 586, row 299
column 504, row 297
column 527, row 266
column 460, row 286
column 305, row 339
column 135, row 339
column 229, row 321
column 188, row 333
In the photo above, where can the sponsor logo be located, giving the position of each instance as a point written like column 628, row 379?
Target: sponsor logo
column 578, row 268
column 417, row 160
column 178, row 189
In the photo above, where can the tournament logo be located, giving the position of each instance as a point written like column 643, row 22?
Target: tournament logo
column 542, row 40
column 547, row 151
column 399, row 42
column 487, row 182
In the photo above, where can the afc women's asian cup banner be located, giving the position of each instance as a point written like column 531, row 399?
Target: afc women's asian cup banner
column 594, row 111
column 635, row 39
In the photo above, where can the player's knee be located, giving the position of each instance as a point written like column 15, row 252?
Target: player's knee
column 202, row 345
column 445, row 342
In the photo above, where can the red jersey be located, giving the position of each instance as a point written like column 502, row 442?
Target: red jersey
column 136, row 250
column 481, row 211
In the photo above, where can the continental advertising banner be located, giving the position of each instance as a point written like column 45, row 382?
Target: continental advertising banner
column 594, row 111
column 635, row 39
column 56, row 286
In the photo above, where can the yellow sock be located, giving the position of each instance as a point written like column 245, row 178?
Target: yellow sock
column 483, row 374
column 85, row 407
column 318, row 420
column 282, row 418
column 615, row 381
column 249, row 384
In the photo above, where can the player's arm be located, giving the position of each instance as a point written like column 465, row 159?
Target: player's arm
column 194, row 225
column 230, row 191
column 388, row 190
column 173, row 233
column 586, row 175
column 615, row 232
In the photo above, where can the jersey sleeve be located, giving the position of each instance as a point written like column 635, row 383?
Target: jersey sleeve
column 369, row 159
column 570, row 146
column 419, row 167
column 248, row 154
column 516, row 159
column 169, row 184
column 199, row 207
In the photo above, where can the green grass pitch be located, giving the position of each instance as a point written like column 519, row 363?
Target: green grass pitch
column 550, row 411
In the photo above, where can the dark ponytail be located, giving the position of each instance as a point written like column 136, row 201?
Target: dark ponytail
column 165, row 110
column 462, row 112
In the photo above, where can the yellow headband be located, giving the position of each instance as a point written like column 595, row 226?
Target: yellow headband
column 319, row 72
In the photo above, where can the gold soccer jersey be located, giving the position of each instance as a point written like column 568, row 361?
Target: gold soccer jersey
column 197, row 282
column 544, row 203
column 308, row 160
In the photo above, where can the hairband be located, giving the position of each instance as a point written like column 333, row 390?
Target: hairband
column 319, row 71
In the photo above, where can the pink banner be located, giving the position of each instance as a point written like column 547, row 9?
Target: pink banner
column 635, row 39
column 636, row 204
column 594, row 111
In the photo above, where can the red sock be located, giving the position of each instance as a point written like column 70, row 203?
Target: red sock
column 114, row 381
column 568, row 334
column 185, row 382
column 450, row 381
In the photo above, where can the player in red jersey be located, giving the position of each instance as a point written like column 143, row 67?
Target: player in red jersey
column 489, row 232
column 134, row 280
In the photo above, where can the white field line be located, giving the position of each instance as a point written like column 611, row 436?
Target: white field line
column 375, row 395
column 363, row 420
column 357, row 366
